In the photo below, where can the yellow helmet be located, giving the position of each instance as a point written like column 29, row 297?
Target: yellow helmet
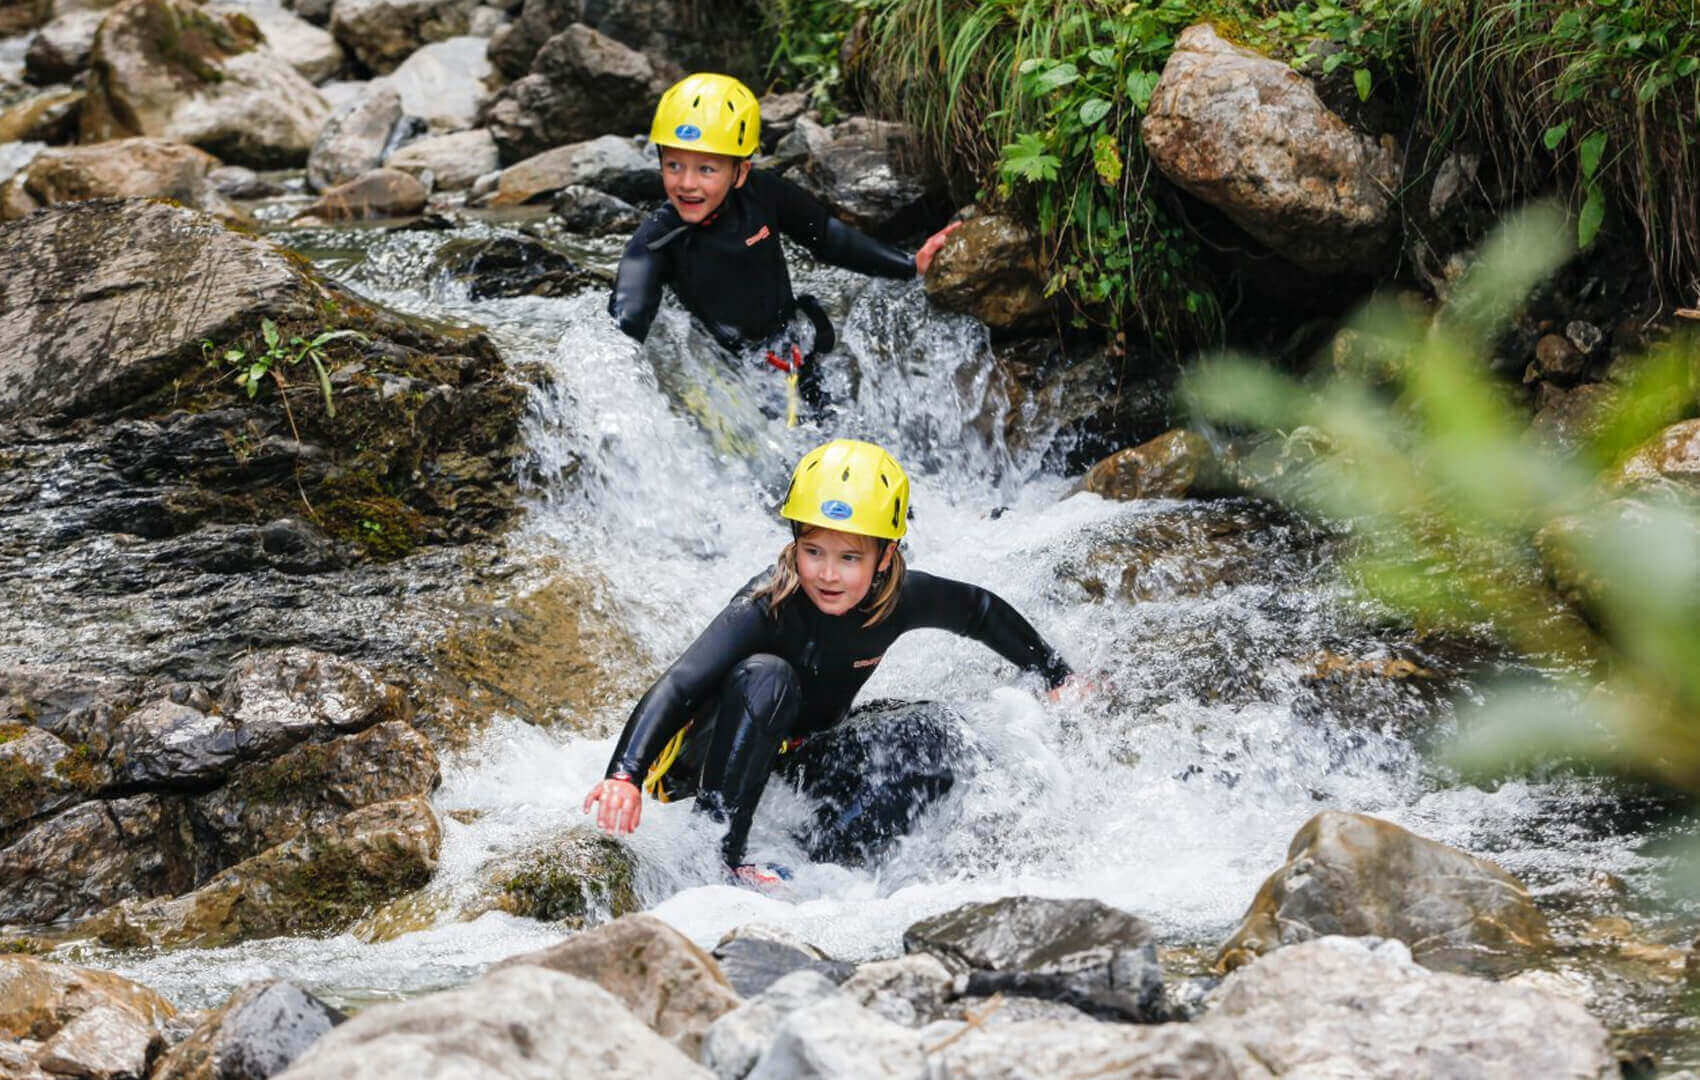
column 716, row 114
column 851, row 486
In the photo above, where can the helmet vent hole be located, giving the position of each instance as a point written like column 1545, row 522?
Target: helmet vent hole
column 741, row 126
column 846, row 476
column 885, row 480
column 695, row 102
column 896, row 512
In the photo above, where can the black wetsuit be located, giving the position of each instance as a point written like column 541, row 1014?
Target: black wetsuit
column 757, row 680
column 730, row 271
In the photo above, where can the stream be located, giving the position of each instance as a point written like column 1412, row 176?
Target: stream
column 1214, row 731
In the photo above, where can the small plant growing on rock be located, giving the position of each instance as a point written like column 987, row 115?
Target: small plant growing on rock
column 253, row 367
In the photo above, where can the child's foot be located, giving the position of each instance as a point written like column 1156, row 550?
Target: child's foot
column 763, row 877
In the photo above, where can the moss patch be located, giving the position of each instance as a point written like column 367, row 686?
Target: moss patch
column 78, row 768
column 594, row 875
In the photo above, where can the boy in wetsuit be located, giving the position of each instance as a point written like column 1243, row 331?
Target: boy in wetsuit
column 716, row 242
column 769, row 684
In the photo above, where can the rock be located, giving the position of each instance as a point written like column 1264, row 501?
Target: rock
column 1556, row 357
column 236, row 182
column 1359, row 875
column 317, row 12
column 779, row 114
column 699, row 39
column 1670, row 459
column 257, row 1033
column 665, row 981
column 107, row 1042
column 354, row 138
column 381, row 193
column 49, row 117
column 37, row 998
column 751, row 965
column 573, row 877
column 164, row 744
column 508, row 1024
column 582, row 84
column 588, row 211
column 612, row 164
column 989, row 268
column 339, row 92
column 454, row 161
column 1082, row 1050
column 1566, row 419
column 60, row 50
column 486, row 21
column 1585, row 336
column 733, row 1043
column 383, row 33
column 837, row 1039
column 868, row 175
column 1360, row 1007
column 38, row 775
column 1249, row 135
column 513, row 266
column 312, row 51
column 446, row 84
column 910, row 990
column 22, row 16
column 319, row 881
column 280, row 698
column 212, row 85
column 125, row 168
column 806, row 138
column 267, row 803
column 95, row 854
column 1164, row 468
column 1079, row 952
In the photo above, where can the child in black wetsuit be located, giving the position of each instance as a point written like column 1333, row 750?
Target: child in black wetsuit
column 776, row 671
column 716, row 242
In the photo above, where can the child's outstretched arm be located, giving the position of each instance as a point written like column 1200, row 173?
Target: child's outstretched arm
column 637, row 285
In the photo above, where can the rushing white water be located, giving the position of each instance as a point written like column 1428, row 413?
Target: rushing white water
column 1170, row 791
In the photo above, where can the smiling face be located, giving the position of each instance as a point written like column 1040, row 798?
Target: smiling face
column 697, row 183
column 836, row 568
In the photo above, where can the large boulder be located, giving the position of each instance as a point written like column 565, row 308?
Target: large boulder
column 383, row 33
column 610, row 163
column 1249, row 135
column 106, row 1042
column 989, row 268
column 122, row 169
column 520, row 1023
column 1358, row 875
column 837, row 1039
column 37, row 998
column 60, row 50
column 700, row 37
column 1080, row 952
column 120, row 305
column 318, row 882
column 173, row 69
column 257, row 1033
column 355, row 138
column 446, row 84
column 96, row 854
column 665, row 981
column 582, row 84
column 585, row 210
column 1360, row 1007
column 454, row 161
column 872, row 175
column 735, row 1042
column 1082, row 1050
column 311, row 50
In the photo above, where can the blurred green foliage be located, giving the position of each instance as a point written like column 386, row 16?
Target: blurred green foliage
column 1465, row 520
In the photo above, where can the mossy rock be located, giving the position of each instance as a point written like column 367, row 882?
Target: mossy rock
column 585, row 877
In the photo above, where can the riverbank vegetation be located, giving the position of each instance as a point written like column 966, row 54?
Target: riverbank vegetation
column 1036, row 104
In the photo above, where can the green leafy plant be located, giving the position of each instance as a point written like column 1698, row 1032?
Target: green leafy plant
column 253, row 366
column 1462, row 522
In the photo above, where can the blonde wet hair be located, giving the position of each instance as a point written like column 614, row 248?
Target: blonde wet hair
column 883, row 591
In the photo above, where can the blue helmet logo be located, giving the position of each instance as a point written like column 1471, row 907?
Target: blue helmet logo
column 837, row 511
column 687, row 132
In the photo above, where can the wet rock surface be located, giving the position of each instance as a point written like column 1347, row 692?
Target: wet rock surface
column 38, row 998
column 1354, row 874
column 582, row 84
column 514, row 267
column 989, row 268
column 870, row 174
column 585, row 210
column 610, row 163
column 122, row 168
column 751, row 964
column 1167, row 467
column 354, row 138
column 263, row 1028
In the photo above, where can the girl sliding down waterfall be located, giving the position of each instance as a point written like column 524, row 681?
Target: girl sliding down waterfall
column 769, row 684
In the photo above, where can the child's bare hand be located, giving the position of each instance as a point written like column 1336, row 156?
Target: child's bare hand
column 622, row 805
column 924, row 257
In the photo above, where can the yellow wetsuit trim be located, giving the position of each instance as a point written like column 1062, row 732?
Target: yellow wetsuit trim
column 664, row 761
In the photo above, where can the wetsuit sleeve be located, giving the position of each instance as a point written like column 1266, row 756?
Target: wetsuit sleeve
column 981, row 614
column 739, row 631
column 805, row 220
column 637, row 284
